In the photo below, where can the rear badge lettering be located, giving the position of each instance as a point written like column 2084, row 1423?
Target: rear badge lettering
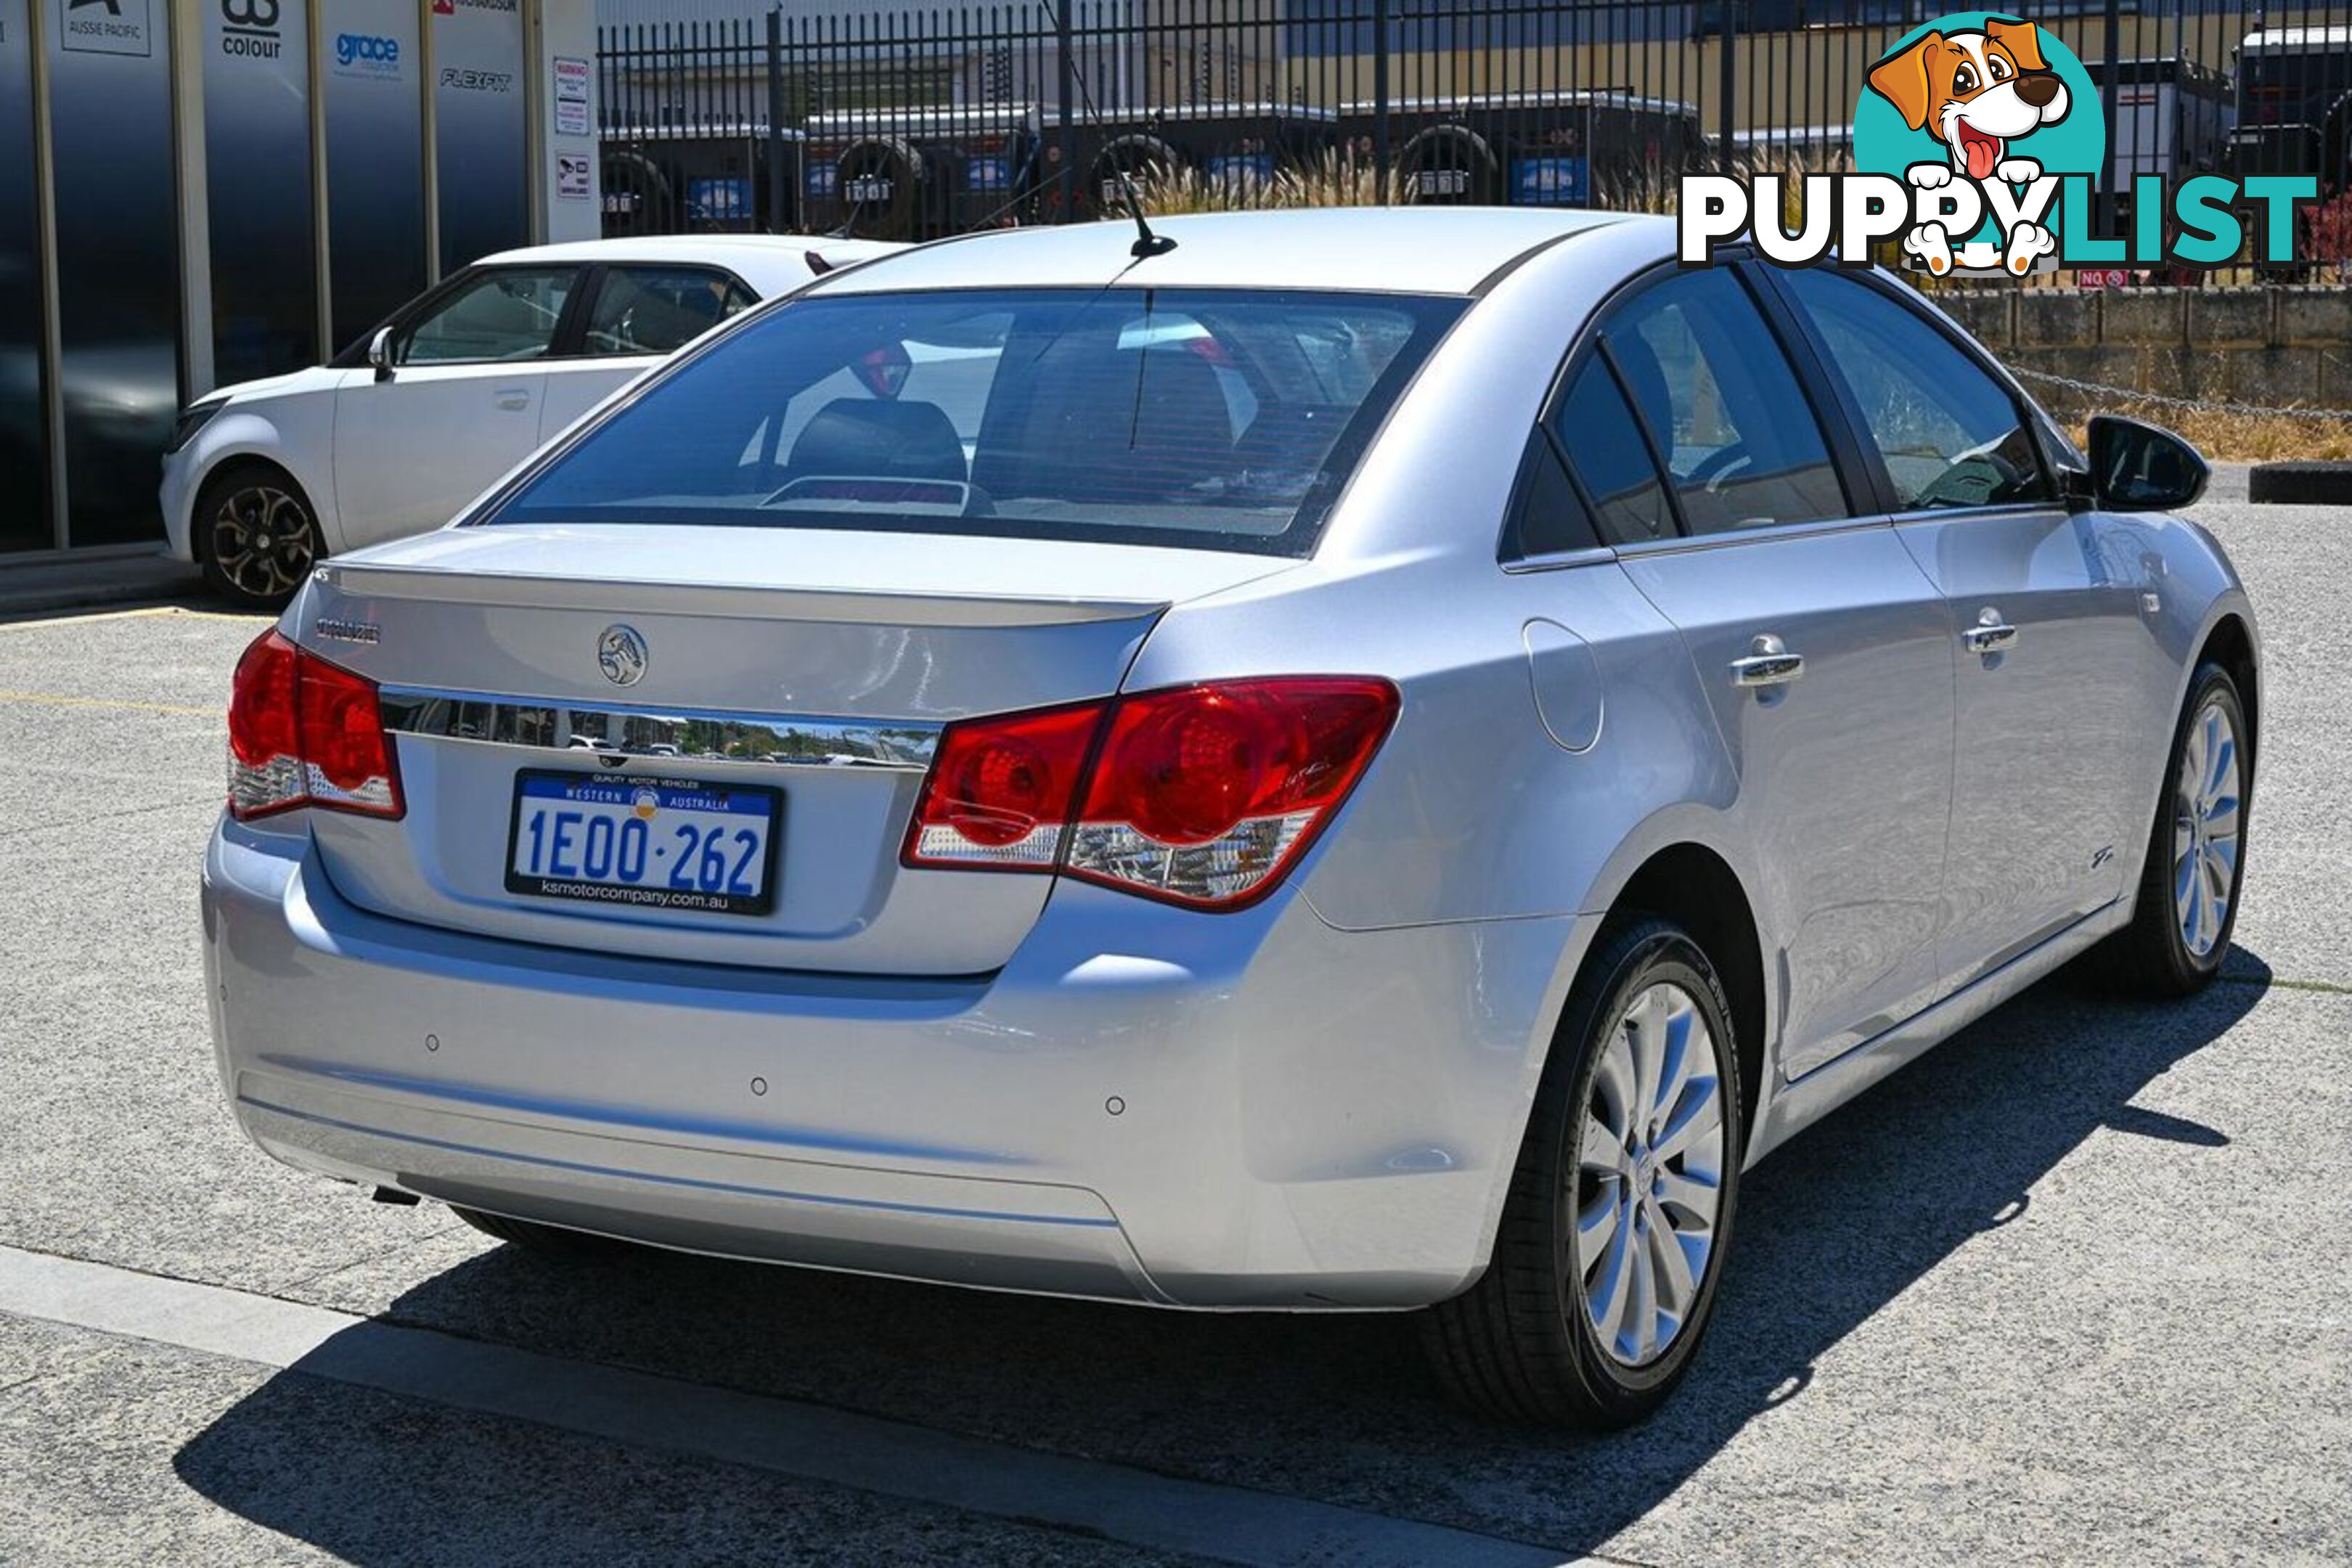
column 347, row 631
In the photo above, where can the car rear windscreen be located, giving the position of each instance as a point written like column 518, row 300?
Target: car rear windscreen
column 1220, row 419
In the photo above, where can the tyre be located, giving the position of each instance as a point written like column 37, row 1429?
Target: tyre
column 545, row 1240
column 2187, row 900
column 255, row 535
column 1613, row 1234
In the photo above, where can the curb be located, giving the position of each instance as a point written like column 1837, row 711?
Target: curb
column 2301, row 484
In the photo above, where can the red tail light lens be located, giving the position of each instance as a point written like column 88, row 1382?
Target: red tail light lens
column 1206, row 794
column 1000, row 790
column 302, row 731
column 1202, row 796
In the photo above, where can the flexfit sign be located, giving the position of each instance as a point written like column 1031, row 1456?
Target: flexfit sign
column 1978, row 141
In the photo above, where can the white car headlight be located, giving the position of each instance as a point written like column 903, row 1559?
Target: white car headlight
column 193, row 418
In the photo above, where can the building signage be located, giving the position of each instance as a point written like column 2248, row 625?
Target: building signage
column 248, row 30
column 466, row 81
column 478, row 85
column 367, row 55
column 573, row 176
column 571, row 80
column 105, row 26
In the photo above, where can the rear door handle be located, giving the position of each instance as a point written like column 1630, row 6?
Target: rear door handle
column 1990, row 634
column 1769, row 663
column 513, row 397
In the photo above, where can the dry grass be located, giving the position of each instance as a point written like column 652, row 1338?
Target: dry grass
column 1333, row 180
column 2244, row 438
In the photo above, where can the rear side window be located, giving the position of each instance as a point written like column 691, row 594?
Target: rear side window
column 1726, row 408
column 1220, row 419
column 1551, row 517
column 1950, row 435
column 660, row 310
column 1610, row 458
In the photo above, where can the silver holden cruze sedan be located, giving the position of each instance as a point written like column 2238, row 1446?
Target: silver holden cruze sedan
column 1367, row 759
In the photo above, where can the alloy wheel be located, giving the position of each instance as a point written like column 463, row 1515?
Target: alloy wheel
column 262, row 541
column 2205, row 827
column 1649, row 1175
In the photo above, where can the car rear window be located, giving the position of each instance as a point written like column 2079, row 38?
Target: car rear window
column 1219, row 419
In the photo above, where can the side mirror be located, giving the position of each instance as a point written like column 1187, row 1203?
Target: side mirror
column 2142, row 467
column 380, row 354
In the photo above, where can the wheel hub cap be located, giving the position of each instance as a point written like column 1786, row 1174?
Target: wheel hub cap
column 261, row 540
column 1649, row 1177
column 2205, row 829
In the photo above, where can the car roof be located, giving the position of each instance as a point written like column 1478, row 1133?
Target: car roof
column 718, row 248
column 1406, row 250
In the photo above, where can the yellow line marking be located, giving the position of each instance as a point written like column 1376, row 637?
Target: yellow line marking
column 152, row 610
column 57, row 700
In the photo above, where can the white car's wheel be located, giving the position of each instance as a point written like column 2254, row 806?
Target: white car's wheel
column 255, row 535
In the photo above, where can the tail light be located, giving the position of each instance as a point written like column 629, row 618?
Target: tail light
column 1202, row 796
column 302, row 731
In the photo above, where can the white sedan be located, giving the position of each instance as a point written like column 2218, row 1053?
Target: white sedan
column 398, row 432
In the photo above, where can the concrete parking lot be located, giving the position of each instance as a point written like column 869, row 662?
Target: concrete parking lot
column 2074, row 1288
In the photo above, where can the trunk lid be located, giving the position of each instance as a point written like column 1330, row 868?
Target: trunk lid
column 818, row 665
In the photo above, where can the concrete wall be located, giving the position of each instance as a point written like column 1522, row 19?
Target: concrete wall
column 2278, row 348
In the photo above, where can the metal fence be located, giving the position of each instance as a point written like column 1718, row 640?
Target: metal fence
column 924, row 123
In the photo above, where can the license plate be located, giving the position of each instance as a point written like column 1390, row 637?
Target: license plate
column 649, row 844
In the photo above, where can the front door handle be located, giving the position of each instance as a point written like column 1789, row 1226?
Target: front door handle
column 1990, row 634
column 1769, row 663
column 514, row 397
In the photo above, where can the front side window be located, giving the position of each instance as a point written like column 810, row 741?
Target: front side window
column 1214, row 418
column 509, row 313
column 1950, row 435
column 1723, row 406
column 660, row 310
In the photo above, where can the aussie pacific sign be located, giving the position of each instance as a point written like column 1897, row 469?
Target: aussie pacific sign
column 1978, row 142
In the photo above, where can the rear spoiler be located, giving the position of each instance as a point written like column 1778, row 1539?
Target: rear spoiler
column 629, row 596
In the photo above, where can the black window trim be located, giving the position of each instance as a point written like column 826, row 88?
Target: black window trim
column 2029, row 414
column 1865, row 492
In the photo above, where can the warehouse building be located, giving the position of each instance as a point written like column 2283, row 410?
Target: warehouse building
column 198, row 192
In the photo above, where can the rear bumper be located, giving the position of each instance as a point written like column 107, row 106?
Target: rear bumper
column 1242, row 1110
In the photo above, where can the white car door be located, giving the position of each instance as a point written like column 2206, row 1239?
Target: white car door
column 459, row 404
column 639, row 314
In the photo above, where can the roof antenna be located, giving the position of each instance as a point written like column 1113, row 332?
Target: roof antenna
column 1147, row 244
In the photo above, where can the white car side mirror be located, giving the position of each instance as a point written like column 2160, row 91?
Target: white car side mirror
column 379, row 353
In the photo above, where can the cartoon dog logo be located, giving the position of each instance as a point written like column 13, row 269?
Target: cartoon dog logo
column 1978, row 93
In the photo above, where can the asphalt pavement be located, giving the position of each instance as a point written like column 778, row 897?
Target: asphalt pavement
column 2072, row 1288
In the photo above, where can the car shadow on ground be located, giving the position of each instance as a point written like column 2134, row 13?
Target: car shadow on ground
column 1831, row 1229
